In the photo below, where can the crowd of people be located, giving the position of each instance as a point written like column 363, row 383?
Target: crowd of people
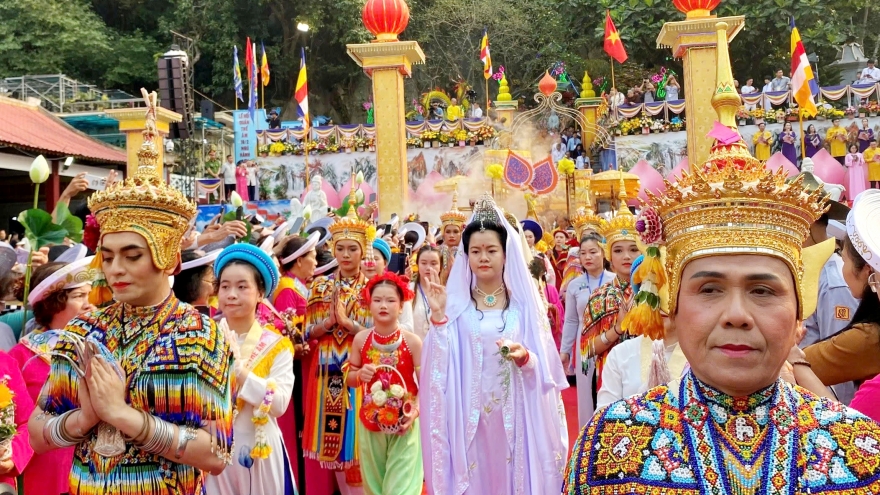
column 723, row 338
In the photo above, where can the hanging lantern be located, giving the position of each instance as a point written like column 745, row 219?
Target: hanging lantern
column 695, row 9
column 547, row 85
column 385, row 18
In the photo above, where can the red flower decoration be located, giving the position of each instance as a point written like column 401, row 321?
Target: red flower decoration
column 649, row 227
column 91, row 233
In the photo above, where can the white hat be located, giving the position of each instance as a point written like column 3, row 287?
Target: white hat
column 69, row 276
column 281, row 230
column 74, row 253
column 861, row 226
column 267, row 245
column 836, row 230
column 325, row 268
column 201, row 260
column 310, row 244
column 418, row 229
column 323, row 226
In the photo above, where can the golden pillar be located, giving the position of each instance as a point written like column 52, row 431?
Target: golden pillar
column 133, row 121
column 695, row 42
column 588, row 105
column 386, row 61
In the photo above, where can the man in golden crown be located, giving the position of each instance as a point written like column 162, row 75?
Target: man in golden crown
column 140, row 387
column 334, row 315
column 738, row 290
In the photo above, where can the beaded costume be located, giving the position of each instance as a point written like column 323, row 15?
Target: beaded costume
column 177, row 365
column 175, row 362
column 697, row 440
column 600, row 315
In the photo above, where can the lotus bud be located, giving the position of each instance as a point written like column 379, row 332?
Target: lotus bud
column 359, row 178
column 40, row 170
column 235, row 200
column 307, row 212
column 359, row 196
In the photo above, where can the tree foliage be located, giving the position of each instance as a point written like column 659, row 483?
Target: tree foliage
column 114, row 43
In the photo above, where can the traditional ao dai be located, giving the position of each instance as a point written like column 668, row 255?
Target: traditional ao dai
column 269, row 383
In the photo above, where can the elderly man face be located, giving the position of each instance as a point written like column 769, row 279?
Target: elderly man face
column 737, row 317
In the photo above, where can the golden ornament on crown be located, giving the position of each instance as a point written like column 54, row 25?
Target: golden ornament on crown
column 352, row 229
column 586, row 218
column 145, row 204
column 732, row 205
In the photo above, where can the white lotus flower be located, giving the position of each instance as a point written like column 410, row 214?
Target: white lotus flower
column 235, row 200
column 359, row 196
column 40, row 170
column 359, row 178
column 396, row 391
column 380, row 398
column 377, row 386
column 307, row 212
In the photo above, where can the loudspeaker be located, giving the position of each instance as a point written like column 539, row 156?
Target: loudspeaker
column 172, row 93
column 207, row 109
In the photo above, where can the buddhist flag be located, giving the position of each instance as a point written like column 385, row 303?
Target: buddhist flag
column 236, row 74
column 802, row 78
column 252, row 102
column 613, row 44
column 302, row 91
column 264, row 66
column 484, row 54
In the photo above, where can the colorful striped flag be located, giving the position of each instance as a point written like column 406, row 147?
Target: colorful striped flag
column 252, row 102
column 236, row 74
column 301, row 94
column 485, row 57
column 802, row 78
column 264, row 66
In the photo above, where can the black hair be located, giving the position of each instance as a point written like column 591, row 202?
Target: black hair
column 188, row 283
column 480, row 226
column 323, row 258
column 590, row 237
column 56, row 251
column 538, row 269
column 261, row 284
column 411, row 237
column 291, row 246
column 869, row 308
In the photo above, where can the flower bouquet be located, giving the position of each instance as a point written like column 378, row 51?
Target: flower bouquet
column 758, row 114
column 414, row 142
column 446, row 138
column 486, row 133
column 645, row 123
column 386, row 405
column 277, row 148
column 677, row 123
column 460, row 135
column 657, row 126
column 347, row 143
column 7, row 416
column 742, row 115
column 428, row 137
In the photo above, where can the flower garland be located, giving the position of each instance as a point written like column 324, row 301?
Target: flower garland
column 260, row 419
column 7, row 411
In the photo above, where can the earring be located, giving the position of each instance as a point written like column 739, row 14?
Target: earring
column 873, row 282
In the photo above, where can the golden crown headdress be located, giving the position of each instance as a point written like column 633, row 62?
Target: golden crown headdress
column 730, row 205
column 586, row 218
column 622, row 226
column 351, row 227
column 145, row 204
column 454, row 216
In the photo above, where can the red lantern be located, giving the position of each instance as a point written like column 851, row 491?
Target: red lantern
column 696, row 8
column 547, row 85
column 385, row 18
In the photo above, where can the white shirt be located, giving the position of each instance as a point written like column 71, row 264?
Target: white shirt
column 557, row 152
column 579, row 163
column 870, row 75
column 747, row 90
column 476, row 113
column 228, row 171
column 252, row 176
column 626, row 370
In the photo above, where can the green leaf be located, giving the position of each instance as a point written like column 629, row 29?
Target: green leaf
column 39, row 229
column 73, row 225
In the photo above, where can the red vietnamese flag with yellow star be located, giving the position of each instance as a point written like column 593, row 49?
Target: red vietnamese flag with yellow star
column 613, row 44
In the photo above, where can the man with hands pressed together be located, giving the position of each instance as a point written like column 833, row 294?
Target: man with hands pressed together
column 141, row 387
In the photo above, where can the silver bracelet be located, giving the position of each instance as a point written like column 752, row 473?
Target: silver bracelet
column 162, row 438
column 56, row 435
column 184, row 435
column 604, row 339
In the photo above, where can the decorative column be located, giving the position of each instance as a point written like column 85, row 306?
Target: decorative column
column 505, row 105
column 387, row 60
column 132, row 121
column 695, row 42
column 588, row 105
